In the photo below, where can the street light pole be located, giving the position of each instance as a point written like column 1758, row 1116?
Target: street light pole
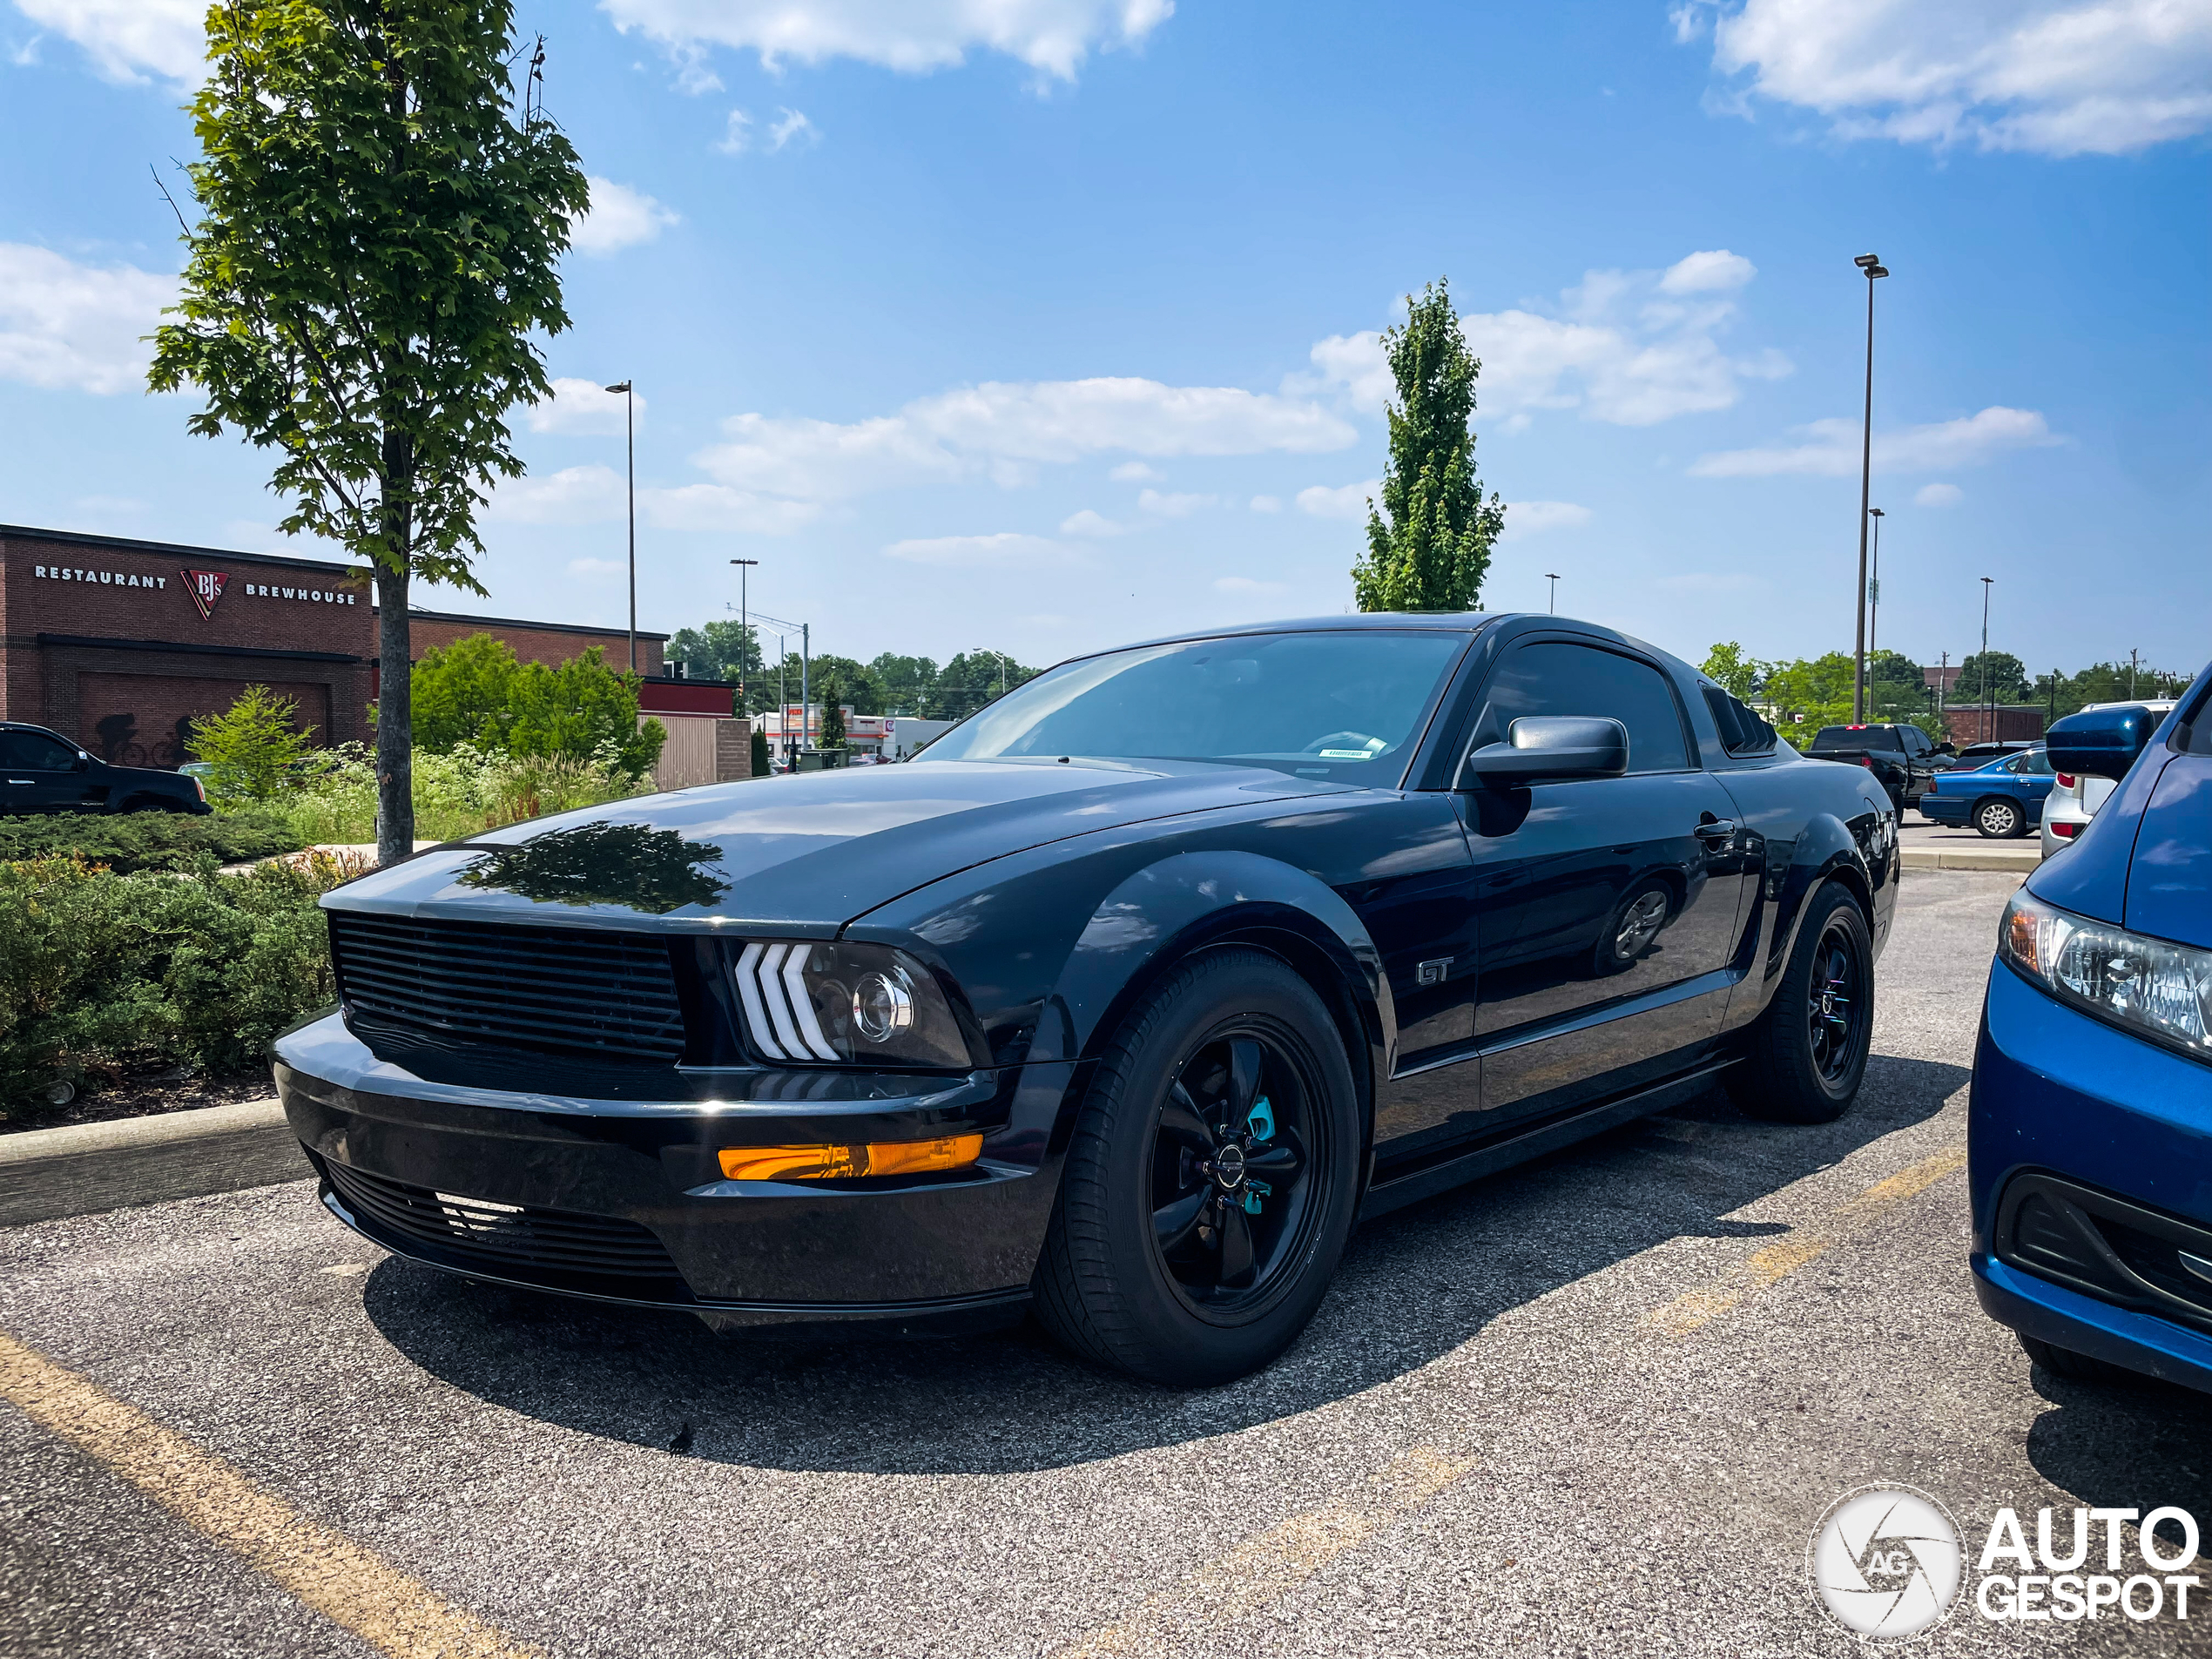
column 1871, row 264
column 2132, row 655
column 629, row 427
column 1874, row 585
column 1989, row 709
column 1551, row 604
column 745, row 630
column 986, row 650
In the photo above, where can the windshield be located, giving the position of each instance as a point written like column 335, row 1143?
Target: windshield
column 1339, row 705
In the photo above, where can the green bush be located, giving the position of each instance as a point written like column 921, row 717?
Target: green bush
column 476, row 691
column 126, row 842
column 252, row 745
column 459, row 793
column 100, row 972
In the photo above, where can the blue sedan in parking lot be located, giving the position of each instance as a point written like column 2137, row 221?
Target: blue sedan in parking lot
column 2002, row 798
column 2090, row 1132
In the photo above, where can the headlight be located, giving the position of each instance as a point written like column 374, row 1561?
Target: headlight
column 845, row 1004
column 2157, row 989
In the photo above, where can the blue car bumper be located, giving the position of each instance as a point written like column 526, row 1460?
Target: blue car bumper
column 2090, row 1160
column 1943, row 809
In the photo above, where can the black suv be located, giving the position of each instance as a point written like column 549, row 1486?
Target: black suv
column 44, row 771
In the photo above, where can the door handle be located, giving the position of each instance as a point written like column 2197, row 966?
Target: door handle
column 1719, row 830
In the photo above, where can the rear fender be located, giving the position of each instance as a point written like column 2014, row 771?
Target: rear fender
column 1826, row 850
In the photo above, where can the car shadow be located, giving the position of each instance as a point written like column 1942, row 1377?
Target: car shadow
column 1412, row 1286
column 2138, row 1446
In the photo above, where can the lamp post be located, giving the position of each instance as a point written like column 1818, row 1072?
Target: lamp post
column 1989, row 709
column 745, row 633
column 1874, row 586
column 986, row 651
column 1551, row 604
column 1873, row 265
column 630, row 429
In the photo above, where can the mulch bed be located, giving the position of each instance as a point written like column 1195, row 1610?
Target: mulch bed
column 145, row 1095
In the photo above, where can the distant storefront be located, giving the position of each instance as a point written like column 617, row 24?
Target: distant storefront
column 121, row 644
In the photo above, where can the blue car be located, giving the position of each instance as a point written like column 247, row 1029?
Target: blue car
column 2002, row 798
column 2089, row 1136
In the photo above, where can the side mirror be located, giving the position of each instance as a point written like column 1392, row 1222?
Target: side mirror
column 82, row 763
column 2102, row 743
column 1542, row 746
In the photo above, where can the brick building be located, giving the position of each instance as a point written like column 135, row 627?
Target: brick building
column 120, row 643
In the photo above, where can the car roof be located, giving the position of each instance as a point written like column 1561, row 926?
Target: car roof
column 1456, row 621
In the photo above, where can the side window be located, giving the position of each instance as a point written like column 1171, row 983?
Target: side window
column 35, row 753
column 1554, row 677
column 2036, row 763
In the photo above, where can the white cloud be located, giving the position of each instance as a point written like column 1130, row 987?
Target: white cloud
column 1832, row 448
column 78, row 328
column 1088, row 522
column 1347, row 500
column 1534, row 517
column 739, row 138
column 1006, row 549
column 1135, row 472
column 792, row 125
column 1937, row 495
column 619, row 217
column 1267, row 503
column 128, row 40
column 581, row 409
column 1629, row 347
column 597, row 494
column 1005, row 430
column 1052, row 36
column 2057, row 78
column 1246, row 584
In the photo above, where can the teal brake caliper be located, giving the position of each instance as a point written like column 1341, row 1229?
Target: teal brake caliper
column 1261, row 1123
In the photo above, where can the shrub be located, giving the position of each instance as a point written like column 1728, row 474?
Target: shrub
column 252, row 745
column 99, row 971
column 458, row 793
column 476, row 691
column 127, row 842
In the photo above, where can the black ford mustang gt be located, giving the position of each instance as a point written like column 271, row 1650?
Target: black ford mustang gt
column 1120, row 1003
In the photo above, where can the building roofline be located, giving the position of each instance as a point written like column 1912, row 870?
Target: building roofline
column 129, row 544
column 417, row 612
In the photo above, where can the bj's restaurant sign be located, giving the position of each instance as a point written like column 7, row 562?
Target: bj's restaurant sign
column 204, row 588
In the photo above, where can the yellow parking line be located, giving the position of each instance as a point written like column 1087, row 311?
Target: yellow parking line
column 1777, row 1261
column 1270, row 1565
column 345, row 1581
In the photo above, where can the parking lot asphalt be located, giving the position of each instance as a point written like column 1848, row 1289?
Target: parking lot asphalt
column 1594, row 1405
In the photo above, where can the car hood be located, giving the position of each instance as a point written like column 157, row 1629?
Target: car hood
column 806, row 853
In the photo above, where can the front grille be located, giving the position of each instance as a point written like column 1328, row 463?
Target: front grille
column 501, row 1237
column 606, row 996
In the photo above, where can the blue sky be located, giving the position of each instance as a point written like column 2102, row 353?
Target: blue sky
column 1047, row 324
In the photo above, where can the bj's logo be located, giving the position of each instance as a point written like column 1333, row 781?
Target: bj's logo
column 206, row 587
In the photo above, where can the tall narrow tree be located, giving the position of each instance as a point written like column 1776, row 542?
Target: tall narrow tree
column 379, row 231
column 1429, row 547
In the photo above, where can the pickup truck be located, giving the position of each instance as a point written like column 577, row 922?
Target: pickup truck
column 1900, row 757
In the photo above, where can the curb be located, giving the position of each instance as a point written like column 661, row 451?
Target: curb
column 2020, row 860
column 82, row 1169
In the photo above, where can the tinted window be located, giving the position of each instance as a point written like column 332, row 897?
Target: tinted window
column 1561, row 678
column 1341, row 705
column 2034, row 764
column 35, row 752
column 1856, row 737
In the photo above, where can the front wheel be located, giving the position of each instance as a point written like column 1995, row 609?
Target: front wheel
column 1808, row 1051
column 1999, row 820
column 1211, row 1179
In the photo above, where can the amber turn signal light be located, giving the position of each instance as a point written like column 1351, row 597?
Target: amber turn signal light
column 844, row 1162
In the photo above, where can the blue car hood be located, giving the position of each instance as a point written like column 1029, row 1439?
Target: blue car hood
column 806, row 853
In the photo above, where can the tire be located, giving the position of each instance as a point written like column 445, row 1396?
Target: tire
column 1807, row 1053
column 1141, row 1270
column 2076, row 1367
column 1640, row 917
column 1999, row 820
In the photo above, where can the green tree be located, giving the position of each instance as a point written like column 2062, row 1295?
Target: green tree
column 855, row 683
column 2000, row 678
column 760, row 766
column 907, row 682
column 973, row 678
column 1728, row 667
column 725, row 650
column 1433, row 550
column 1808, row 693
column 379, row 236
column 252, row 744
column 476, row 691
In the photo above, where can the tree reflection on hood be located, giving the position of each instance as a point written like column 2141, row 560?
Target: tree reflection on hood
column 653, row 870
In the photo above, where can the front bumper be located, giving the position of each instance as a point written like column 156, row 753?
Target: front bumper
column 624, row 1200
column 2057, row 1093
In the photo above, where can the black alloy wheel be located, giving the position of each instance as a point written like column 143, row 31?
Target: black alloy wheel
column 1212, row 1178
column 1805, row 1056
column 1232, row 1179
column 1999, row 820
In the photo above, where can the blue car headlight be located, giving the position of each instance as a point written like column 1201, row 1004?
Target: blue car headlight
column 2157, row 989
